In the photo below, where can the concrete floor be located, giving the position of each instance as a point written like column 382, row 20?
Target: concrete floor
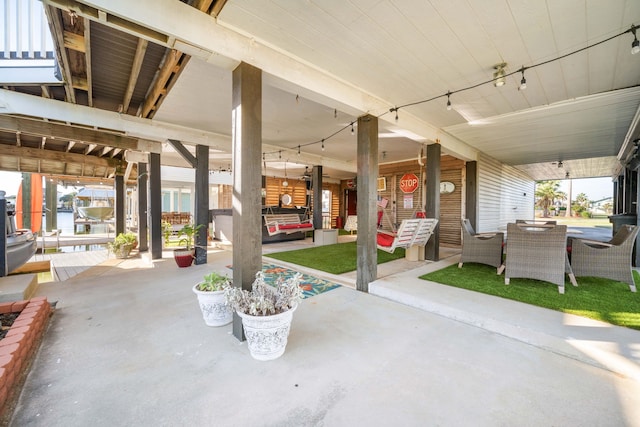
column 128, row 346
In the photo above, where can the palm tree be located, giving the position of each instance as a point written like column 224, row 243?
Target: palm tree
column 547, row 192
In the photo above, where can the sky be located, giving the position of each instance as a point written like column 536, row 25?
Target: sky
column 594, row 188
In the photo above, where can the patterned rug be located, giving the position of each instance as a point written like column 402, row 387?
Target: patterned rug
column 310, row 285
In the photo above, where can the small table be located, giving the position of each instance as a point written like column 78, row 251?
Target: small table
column 325, row 236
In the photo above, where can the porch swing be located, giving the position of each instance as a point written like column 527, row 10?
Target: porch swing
column 411, row 234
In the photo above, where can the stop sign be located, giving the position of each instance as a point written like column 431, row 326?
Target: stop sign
column 409, row 183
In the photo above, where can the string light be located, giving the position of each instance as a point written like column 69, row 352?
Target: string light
column 499, row 74
column 523, row 82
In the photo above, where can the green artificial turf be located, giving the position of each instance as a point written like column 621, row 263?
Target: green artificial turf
column 596, row 298
column 336, row 259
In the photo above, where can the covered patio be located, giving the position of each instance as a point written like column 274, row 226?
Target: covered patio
column 127, row 345
column 338, row 94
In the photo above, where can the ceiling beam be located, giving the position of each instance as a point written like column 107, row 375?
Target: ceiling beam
column 74, row 41
column 65, row 132
column 153, row 131
column 174, row 63
column 57, row 156
column 57, row 29
column 87, row 60
column 141, row 49
column 210, row 40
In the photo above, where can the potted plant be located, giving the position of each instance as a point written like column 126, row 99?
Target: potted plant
column 212, row 301
column 184, row 256
column 123, row 243
column 266, row 312
column 167, row 229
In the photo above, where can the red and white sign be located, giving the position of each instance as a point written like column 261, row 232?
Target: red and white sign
column 409, row 183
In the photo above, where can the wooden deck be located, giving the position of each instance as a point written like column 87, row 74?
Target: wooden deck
column 65, row 265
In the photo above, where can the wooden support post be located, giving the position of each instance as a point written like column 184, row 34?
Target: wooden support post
column 121, row 205
column 155, row 206
column 3, row 236
column 432, row 205
column 143, row 218
column 202, row 202
column 471, row 193
column 367, row 249
column 316, row 191
column 26, row 201
column 246, row 125
column 51, row 201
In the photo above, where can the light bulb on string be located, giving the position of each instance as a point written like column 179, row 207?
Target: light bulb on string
column 448, row 101
column 323, row 145
column 352, row 131
column 635, row 44
column 523, row 82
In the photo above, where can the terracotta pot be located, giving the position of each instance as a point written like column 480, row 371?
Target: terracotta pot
column 184, row 257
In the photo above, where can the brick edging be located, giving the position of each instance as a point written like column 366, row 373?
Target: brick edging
column 20, row 344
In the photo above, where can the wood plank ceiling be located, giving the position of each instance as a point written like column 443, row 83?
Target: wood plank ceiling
column 103, row 68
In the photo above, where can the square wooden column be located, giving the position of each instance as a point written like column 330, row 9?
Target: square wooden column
column 143, row 220
column 432, row 205
column 3, row 236
column 246, row 126
column 118, row 184
column 155, row 205
column 316, row 182
column 202, row 202
column 367, row 248
column 51, row 197
column 471, row 193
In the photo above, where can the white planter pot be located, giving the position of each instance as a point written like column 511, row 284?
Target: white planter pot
column 214, row 308
column 267, row 335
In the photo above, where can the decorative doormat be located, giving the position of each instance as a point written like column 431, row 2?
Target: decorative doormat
column 310, row 285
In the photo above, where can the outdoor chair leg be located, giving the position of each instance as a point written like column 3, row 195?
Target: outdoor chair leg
column 501, row 269
column 572, row 277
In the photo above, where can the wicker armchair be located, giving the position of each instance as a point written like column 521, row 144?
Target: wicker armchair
column 538, row 252
column 483, row 248
column 611, row 260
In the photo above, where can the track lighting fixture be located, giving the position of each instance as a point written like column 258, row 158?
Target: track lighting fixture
column 523, row 82
column 448, row 101
column 635, row 44
column 560, row 164
column 499, row 74
column 566, row 176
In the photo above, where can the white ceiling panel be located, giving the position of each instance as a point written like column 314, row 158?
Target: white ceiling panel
column 406, row 51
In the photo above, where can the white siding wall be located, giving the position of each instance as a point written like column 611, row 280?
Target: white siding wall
column 504, row 195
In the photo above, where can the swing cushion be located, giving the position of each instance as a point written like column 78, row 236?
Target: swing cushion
column 385, row 239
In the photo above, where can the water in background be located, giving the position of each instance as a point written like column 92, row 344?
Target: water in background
column 67, row 227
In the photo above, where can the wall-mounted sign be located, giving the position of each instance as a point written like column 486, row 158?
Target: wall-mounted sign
column 382, row 183
column 447, row 187
column 351, row 183
column 409, row 183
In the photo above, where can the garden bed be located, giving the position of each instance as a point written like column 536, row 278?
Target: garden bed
column 18, row 344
